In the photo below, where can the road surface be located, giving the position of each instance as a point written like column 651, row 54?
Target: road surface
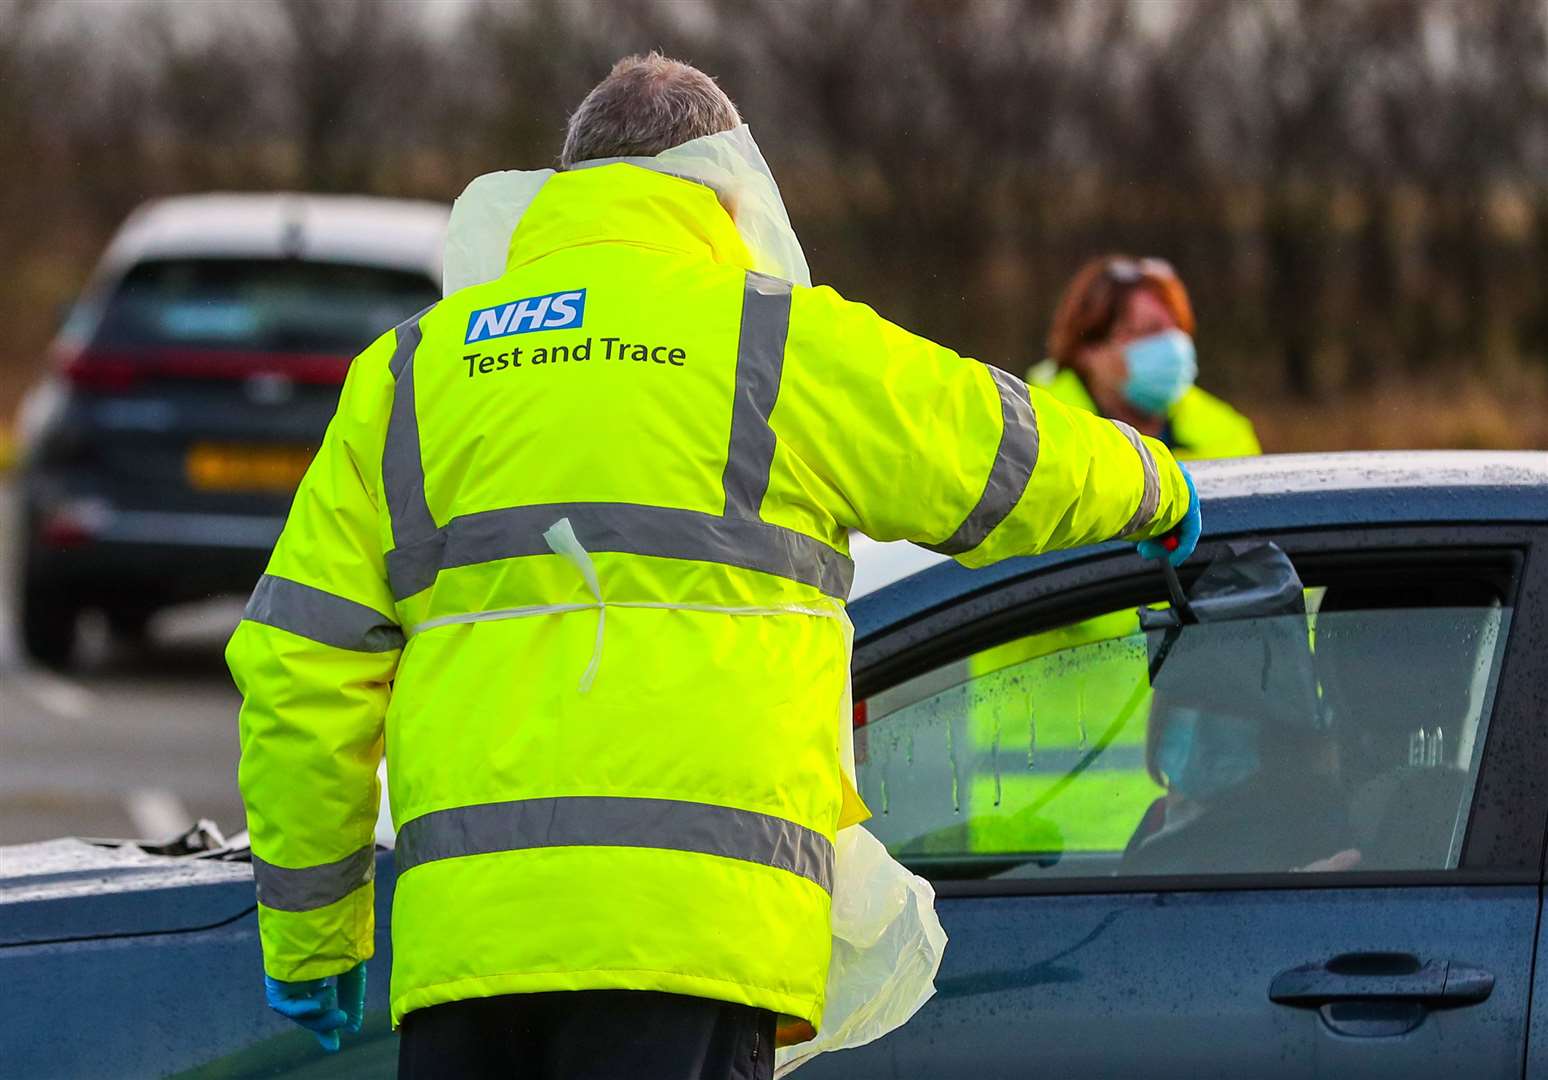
column 138, row 742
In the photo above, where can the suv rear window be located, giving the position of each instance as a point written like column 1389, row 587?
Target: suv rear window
column 267, row 305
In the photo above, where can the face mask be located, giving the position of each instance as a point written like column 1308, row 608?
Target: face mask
column 1202, row 754
column 1161, row 369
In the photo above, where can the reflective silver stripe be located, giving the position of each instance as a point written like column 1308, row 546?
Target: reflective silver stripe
column 407, row 334
column 627, row 528
column 502, row 614
column 737, row 538
column 312, row 887
column 760, row 361
column 1150, row 498
column 611, row 821
column 1008, row 476
column 403, row 471
column 321, row 616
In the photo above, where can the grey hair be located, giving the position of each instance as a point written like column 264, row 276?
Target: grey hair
column 646, row 104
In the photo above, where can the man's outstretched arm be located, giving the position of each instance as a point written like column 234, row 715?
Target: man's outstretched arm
column 918, row 443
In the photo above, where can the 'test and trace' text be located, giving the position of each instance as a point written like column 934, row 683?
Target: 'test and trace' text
column 603, row 348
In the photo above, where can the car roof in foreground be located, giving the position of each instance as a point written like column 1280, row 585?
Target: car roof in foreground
column 403, row 234
column 1240, row 496
column 69, row 888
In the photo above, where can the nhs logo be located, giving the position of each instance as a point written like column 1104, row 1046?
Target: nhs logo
column 556, row 311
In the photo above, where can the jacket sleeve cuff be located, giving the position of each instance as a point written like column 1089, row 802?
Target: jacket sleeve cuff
column 300, row 945
column 1170, row 496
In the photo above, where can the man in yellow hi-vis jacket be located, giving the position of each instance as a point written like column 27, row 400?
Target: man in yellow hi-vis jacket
column 573, row 552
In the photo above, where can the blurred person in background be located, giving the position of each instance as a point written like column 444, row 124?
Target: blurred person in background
column 1121, row 345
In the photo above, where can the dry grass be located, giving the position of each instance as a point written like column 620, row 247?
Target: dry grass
column 1467, row 414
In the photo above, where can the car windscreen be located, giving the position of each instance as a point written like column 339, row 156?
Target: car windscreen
column 267, row 305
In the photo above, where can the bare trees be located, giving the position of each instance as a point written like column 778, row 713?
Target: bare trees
column 1353, row 188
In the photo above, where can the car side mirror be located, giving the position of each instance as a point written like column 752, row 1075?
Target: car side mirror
column 1249, row 580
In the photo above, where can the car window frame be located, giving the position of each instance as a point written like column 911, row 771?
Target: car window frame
column 1507, row 828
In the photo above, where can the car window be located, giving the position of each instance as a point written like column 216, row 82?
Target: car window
column 1345, row 739
column 270, row 305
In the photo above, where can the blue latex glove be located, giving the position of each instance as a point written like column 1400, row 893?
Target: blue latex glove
column 322, row 1006
column 1177, row 545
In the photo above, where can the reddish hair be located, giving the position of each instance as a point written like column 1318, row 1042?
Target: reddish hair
column 1095, row 295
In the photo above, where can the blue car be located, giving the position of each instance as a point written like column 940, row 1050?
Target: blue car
column 1287, row 823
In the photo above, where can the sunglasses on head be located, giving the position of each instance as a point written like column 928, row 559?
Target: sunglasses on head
column 1131, row 271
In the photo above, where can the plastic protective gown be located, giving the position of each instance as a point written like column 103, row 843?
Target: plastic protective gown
column 582, row 565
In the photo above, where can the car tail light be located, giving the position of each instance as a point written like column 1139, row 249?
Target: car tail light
column 230, row 364
column 115, row 372
column 72, row 524
column 101, row 373
column 63, row 531
column 862, row 744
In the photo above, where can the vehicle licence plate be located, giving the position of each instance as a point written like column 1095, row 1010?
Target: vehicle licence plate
column 218, row 467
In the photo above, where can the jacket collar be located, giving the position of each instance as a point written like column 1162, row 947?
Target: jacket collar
column 625, row 204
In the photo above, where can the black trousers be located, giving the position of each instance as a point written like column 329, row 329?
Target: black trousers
column 588, row 1035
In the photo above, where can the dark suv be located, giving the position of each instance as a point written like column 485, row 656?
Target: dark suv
column 192, row 383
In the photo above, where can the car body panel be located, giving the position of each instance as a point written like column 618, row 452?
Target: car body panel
column 1175, row 985
column 1537, row 1034
column 74, row 889
column 156, row 970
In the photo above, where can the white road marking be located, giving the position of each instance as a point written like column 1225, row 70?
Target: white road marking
column 157, row 813
column 59, row 696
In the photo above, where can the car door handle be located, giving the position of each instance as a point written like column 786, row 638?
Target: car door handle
column 1381, row 977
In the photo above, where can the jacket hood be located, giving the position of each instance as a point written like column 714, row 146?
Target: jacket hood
column 482, row 237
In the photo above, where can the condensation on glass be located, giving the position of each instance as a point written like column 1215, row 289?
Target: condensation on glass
column 1345, row 740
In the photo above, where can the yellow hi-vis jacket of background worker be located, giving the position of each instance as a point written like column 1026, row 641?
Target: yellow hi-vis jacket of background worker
column 1199, row 425
column 574, row 550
